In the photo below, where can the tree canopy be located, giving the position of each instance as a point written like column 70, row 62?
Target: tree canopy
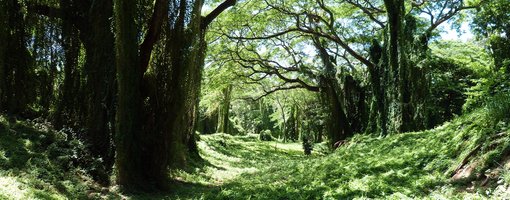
column 128, row 97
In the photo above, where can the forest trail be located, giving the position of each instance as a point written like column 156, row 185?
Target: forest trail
column 415, row 165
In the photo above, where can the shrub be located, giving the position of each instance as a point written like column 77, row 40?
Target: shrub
column 307, row 146
column 498, row 107
column 265, row 135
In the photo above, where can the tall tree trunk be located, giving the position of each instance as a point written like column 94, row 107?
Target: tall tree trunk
column 338, row 124
column 100, row 84
column 378, row 75
column 283, row 130
column 3, row 50
column 399, row 107
column 67, row 109
column 223, row 120
column 129, row 160
column 19, row 87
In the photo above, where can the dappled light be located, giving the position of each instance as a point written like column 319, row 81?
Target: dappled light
column 239, row 99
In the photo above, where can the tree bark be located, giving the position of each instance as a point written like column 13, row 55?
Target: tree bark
column 19, row 89
column 3, row 50
column 378, row 111
column 399, row 97
column 67, row 109
column 100, row 84
column 338, row 124
column 129, row 165
column 223, row 120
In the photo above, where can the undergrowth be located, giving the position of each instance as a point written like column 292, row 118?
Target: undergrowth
column 415, row 165
column 37, row 163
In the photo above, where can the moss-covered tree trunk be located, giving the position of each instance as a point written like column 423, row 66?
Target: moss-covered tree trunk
column 337, row 122
column 170, row 94
column 399, row 96
column 378, row 79
column 19, row 88
column 67, row 107
column 338, row 125
column 100, row 86
column 129, row 164
column 354, row 104
column 187, row 63
column 3, row 51
column 292, row 131
column 223, row 113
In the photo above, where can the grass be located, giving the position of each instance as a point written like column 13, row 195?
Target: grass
column 416, row 165
column 34, row 164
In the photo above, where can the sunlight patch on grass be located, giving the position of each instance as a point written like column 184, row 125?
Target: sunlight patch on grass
column 290, row 147
column 215, row 155
column 11, row 188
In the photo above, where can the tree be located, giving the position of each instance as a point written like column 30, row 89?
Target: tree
column 129, row 161
column 92, row 19
column 400, row 26
column 492, row 22
column 67, row 111
column 224, row 109
column 3, row 52
column 17, row 69
column 170, row 89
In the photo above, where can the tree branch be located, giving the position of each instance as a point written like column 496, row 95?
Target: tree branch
column 367, row 12
column 159, row 16
column 217, row 11
column 266, row 93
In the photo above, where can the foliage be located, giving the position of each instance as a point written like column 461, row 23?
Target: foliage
column 453, row 68
column 37, row 162
column 307, row 146
column 266, row 135
column 498, row 107
column 491, row 22
column 409, row 165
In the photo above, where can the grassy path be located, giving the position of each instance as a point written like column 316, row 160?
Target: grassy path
column 401, row 166
column 228, row 161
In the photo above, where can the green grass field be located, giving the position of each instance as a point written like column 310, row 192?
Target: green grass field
column 415, row 165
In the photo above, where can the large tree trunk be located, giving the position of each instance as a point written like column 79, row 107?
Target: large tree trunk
column 378, row 111
column 399, row 96
column 223, row 113
column 67, row 110
column 354, row 104
column 100, row 84
column 338, row 124
column 129, row 159
column 3, row 52
column 19, row 89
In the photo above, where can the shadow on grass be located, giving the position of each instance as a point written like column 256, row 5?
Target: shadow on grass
column 25, row 152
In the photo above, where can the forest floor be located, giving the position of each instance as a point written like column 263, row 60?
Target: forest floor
column 416, row 165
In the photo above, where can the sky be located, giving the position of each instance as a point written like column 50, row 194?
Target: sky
column 452, row 34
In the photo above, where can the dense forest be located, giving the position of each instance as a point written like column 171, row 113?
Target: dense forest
column 245, row 99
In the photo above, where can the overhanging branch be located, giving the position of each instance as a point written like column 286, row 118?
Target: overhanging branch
column 159, row 16
column 217, row 11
